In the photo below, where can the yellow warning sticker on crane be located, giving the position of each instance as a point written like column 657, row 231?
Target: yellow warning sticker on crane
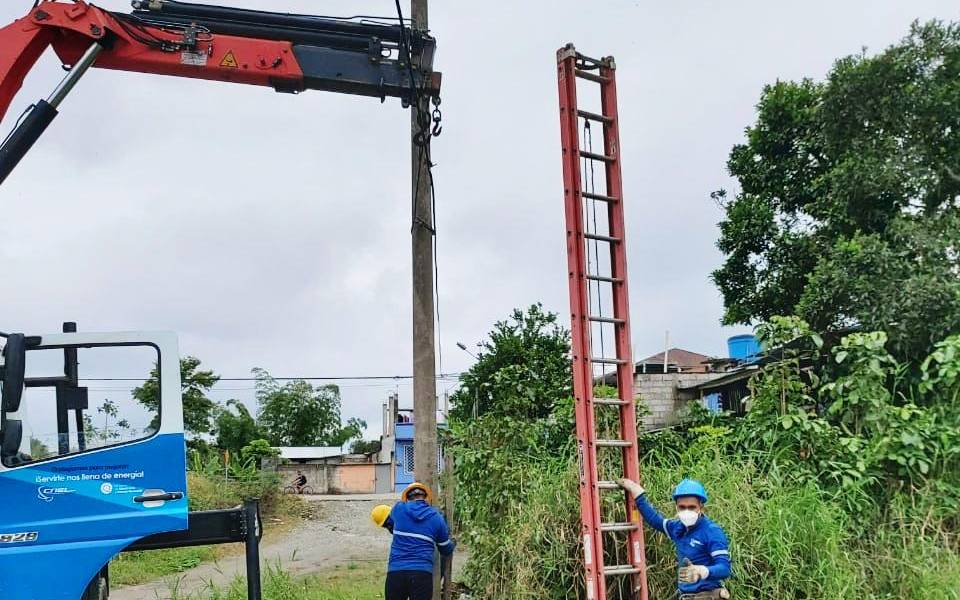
column 230, row 61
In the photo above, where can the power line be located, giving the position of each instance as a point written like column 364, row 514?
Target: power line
column 440, row 376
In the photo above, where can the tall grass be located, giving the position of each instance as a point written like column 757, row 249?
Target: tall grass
column 789, row 538
column 351, row 582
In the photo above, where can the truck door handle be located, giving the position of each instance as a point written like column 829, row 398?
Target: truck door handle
column 159, row 497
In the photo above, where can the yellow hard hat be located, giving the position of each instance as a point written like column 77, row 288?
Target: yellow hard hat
column 416, row 485
column 379, row 514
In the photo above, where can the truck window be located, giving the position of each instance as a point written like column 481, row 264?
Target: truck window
column 115, row 400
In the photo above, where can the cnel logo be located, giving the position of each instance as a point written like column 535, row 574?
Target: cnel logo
column 47, row 494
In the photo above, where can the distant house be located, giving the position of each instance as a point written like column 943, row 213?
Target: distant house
column 678, row 361
column 668, row 381
column 306, row 454
column 396, row 444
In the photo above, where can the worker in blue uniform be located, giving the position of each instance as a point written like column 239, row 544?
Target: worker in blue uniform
column 417, row 530
column 703, row 553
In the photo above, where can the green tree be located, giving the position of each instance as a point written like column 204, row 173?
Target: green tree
column 257, row 450
column 847, row 212
column 114, row 427
column 365, row 446
column 198, row 409
column 512, row 420
column 521, row 369
column 38, row 449
column 235, row 427
column 298, row 414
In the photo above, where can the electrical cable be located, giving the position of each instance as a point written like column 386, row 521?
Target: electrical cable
column 588, row 142
column 422, row 141
column 322, row 378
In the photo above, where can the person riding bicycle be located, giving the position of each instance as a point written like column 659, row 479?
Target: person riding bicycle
column 300, row 482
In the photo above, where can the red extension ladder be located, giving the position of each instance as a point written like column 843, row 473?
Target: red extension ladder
column 600, row 327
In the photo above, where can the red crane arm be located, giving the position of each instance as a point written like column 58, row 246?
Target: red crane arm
column 72, row 28
column 290, row 53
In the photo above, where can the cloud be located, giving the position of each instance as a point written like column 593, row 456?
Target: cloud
column 273, row 230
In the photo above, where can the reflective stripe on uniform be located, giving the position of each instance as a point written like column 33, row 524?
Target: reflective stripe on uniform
column 446, row 543
column 720, row 553
column 419, row 536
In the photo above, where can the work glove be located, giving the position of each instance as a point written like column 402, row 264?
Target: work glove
column 691, row 573
column 635, row 489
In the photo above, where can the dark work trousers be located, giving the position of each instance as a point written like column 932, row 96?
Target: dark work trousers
column 409, row 585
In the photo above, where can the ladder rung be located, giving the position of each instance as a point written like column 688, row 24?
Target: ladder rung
column 594, row 116
column 607, row 485
column 617, row 526
column 611, row 401
column 602, row 238
column 614, row 443
column 608, row 361
column 590, row 76
column 604, row 279
column 601, row 197
column 601, row 157
column 620, row 570
column 596, row 319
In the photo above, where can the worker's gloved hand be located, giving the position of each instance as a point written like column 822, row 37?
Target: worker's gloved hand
column 635, row 489
column 691, row 573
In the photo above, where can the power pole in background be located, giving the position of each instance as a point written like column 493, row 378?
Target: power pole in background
column 424, row 361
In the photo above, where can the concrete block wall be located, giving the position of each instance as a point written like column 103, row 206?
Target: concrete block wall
column 658, row 393
column 340, row 478
column 317, row 475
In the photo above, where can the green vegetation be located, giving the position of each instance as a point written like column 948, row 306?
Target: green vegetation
column 235, row 427
column 212, row 486
column 351, row 582
column 294, row 413
column 198, row 409
column 847, row 211
column 297, row 413
column 224, row 474
column 140, row 567
column 842, row 481
column 365, row 446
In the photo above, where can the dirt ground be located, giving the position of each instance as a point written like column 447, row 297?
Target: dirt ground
column 342, row 534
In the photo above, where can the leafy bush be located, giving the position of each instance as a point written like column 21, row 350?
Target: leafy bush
column 842, row 480
column 213, row 485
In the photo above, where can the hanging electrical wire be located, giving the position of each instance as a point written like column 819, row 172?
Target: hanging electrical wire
column 590, row 186
column 421, row 140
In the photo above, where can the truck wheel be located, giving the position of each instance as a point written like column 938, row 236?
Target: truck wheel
column 99, row 589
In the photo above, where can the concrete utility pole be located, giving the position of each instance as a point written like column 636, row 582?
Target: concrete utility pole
column 424, row 357
column 424, row 362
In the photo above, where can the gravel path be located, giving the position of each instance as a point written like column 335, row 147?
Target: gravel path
column 342, row 534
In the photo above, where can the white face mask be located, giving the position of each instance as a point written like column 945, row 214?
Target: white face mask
column 688, row 517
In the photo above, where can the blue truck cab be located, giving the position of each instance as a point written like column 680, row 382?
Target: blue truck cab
column 92, row 456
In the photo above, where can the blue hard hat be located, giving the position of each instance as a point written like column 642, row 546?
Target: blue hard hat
column 690, row 487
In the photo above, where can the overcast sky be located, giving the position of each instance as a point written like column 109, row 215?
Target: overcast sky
column 273, row 230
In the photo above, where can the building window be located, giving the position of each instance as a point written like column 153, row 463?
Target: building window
column 408, row 459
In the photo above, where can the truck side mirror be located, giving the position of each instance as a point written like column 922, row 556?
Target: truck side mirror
column 14, row 368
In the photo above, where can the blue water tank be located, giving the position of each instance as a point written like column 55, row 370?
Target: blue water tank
column 744, row 347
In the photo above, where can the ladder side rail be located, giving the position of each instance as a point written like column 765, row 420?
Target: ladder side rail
column 579, row 329
column 621, row 307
